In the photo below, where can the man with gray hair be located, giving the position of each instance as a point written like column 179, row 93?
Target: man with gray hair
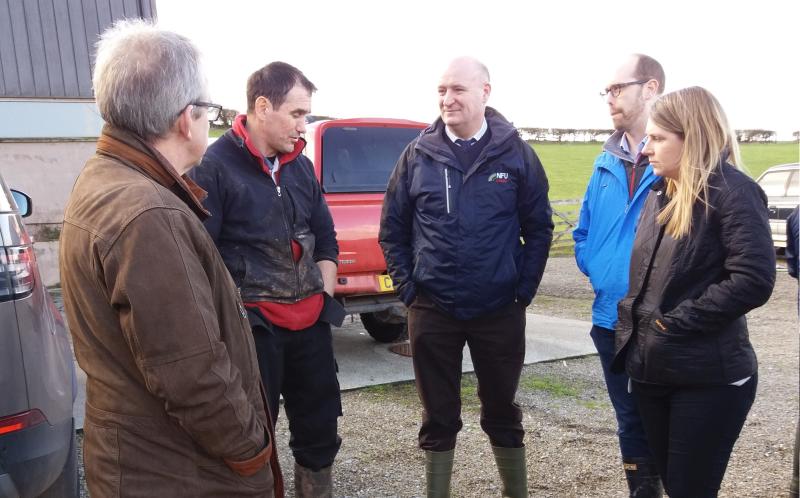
column 466, row 229
column 175, row 405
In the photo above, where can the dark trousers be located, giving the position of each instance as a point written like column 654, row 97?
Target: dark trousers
column 632, row 439
column 691, row 431
column 497, row 346
column 299, row 364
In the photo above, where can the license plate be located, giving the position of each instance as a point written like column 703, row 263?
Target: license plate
column 385, row 283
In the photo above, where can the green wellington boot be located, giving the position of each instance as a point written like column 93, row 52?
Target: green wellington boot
column 438, row 469
column 513, row 471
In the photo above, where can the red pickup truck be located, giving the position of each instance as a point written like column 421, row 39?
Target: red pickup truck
column 353, row 159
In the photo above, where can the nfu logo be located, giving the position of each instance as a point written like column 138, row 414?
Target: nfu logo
column 499, row 177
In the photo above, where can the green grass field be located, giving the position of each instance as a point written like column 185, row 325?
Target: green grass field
column 216, row 132
column 569, row 165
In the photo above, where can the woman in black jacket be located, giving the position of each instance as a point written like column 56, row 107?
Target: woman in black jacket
column 702, row 258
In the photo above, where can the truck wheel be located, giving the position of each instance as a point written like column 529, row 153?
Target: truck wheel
column 380, row 329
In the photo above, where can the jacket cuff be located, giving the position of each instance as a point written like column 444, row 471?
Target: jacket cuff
column 407, row 293
column 524, row 300
column 246, row 468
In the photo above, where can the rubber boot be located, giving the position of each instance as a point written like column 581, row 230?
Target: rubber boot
column 513, row 471
column 312, row 484
column 643, row 479
column 438, row 469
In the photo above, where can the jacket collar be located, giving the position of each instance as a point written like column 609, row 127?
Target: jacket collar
column 613, row 147
column 432, row 141
column 129, row 148
column 239, row 131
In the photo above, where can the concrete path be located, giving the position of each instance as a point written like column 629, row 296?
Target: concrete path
column 364, row 362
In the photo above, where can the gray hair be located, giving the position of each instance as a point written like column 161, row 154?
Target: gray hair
column 145, row 76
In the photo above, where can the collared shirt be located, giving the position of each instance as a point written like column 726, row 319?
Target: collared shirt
column 477, row 136
column 623, row 144
column 632, row 172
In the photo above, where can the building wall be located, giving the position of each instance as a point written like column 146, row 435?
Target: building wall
column 47, row 46
column 46, row 172
column 50, row 124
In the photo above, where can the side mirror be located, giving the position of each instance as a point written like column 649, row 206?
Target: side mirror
column 24, row 203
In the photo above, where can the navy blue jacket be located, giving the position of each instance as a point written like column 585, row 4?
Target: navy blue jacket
column 792, row 240
column 253, row 222
column 457, row 234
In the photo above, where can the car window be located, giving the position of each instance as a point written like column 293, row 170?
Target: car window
column 774, row 183
column 793, row 190
column 360, row 159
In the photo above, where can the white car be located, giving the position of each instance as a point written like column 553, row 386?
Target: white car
column 782, row 185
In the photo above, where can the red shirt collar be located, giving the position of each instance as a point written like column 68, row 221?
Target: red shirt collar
column 240, row 130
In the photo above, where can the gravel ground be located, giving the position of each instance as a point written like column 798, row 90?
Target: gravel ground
column 572, row 448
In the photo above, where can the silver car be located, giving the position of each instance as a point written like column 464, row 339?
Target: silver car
column 782, row 185
column 37, row 373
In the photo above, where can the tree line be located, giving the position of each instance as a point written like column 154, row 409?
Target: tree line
column 227, row 116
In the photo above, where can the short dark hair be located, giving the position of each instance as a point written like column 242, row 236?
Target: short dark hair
column 274, row 81
column 648, row 68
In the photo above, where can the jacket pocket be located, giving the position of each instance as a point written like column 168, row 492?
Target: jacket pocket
column 674, row 356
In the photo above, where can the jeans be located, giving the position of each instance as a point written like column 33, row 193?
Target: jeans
column 632, row 439
column 300, row 365
column 691, row 431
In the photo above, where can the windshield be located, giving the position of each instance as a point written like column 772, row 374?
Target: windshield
column 360, row 159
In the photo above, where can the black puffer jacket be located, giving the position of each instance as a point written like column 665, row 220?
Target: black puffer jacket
column 253, row 221
column 695, row 331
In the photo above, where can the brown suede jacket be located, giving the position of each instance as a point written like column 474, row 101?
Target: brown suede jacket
column 174, row 402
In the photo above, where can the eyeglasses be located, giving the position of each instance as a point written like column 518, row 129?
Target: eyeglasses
column 214, row 110
column 616, row 89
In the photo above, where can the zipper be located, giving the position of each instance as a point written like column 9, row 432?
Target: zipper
column 288, row 233
column 447, row 189
column 240, row 302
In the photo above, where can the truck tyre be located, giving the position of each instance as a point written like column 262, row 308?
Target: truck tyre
column 67, row 484
column 380, row 329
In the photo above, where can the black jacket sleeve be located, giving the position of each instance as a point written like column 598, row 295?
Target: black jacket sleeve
column 395, row 236
column 536, row 225
column 207, row 176
column 321, row 224
column 749, row 265
column 792, row 256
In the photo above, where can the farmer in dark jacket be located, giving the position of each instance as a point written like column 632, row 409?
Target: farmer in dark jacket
column 276, row 236
column 465, row 229
column 702, row 258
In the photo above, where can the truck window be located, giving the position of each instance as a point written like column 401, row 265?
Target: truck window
column 360, row 159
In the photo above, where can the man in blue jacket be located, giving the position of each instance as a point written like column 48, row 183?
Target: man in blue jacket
column 466, row 229
column 604, row 239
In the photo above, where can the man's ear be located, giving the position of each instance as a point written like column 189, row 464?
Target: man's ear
column 263, row 106
column 183, row 125
column 650, row 89
column 487, row 90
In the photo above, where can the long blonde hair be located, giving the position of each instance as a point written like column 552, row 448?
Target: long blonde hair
column 696, row 116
